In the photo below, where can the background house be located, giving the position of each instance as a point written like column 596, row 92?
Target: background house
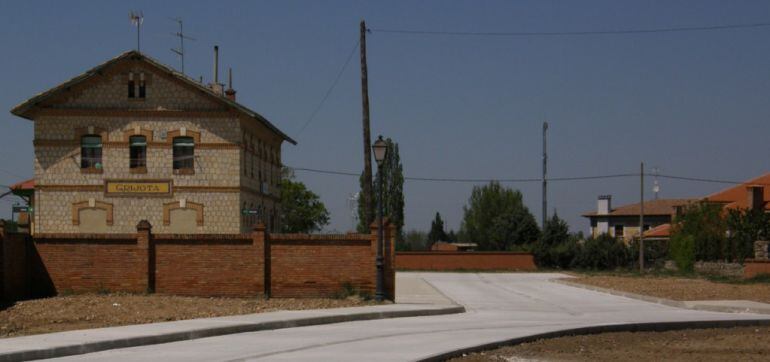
column 623, row 221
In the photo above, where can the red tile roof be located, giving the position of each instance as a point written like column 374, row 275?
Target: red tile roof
column 660, row 231
column 24, row 185
column 651, row 207
column 737, row 196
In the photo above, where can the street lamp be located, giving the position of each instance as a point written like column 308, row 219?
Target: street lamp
column 380, row 148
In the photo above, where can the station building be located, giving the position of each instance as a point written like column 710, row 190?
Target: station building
column 133, row 139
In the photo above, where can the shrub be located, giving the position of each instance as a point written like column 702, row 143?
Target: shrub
column 601, row 253
column 655, row 252
column 682, row 251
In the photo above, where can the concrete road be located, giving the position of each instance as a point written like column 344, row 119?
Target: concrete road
column 500, row 307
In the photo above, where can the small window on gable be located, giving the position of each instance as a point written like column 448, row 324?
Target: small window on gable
column 184, row 153
column 142, row 86
column 137, row 151
column 131, row 85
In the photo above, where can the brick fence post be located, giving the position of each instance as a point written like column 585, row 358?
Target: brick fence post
column 390, row 261
column 146, row 257
column 260, row 241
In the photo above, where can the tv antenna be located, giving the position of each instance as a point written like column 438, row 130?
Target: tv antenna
column 655, row 184
column 182, row 37
column 137, row 18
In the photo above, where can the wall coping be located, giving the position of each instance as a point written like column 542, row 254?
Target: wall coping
column 320, row 237
column 756, row 261
column 88, row 236
column 462, row 253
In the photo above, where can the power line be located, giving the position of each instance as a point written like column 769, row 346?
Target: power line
column 575, row 33
column 329, row 91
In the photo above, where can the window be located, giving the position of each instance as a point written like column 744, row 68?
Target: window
column 142, row 86
column 91, row 152
column 138, row 151
column 618, row 231
column 184, row 154
column 131, row 85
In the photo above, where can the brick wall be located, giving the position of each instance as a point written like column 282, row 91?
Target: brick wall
column 283, row 265
column 464, row 260
column 754, row 267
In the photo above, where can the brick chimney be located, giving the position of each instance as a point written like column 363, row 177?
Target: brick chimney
column 604, row 205
column 756, row 197
column 230, row 92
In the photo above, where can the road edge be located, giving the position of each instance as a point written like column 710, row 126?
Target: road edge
column 604, row 328
column 136, row 341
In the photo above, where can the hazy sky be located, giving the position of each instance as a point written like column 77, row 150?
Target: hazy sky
column 690, row 103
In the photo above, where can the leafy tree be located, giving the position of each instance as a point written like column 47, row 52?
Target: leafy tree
column 451, row 236
column 601, row 253
column 436, row 231
column 746, row 226
column 555, row 233
column 704, row 222
column 497, row 219
column 682, row 251
column 413, row 241
column 393, row 192
column 301, row 209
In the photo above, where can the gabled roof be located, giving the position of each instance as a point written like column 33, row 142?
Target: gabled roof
column 23, row 185
column 652, row 207
column 660, row 231
column 737, row 196
column 22, row 110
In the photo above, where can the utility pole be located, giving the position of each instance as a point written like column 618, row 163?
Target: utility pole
column 367, row 189
column 641, row 218
column 545, row 181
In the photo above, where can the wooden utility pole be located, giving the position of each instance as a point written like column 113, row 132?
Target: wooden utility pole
column 641, row 218
column 367, row 187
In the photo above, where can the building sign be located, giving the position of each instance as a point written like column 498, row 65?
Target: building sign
column 137, row 187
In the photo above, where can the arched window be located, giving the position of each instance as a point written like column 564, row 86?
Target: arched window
column 184, row 154
column 91, row 152
column 137, row 151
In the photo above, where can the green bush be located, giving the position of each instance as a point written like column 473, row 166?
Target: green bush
column 682, row 251
column 602, row 253
column 655, row 252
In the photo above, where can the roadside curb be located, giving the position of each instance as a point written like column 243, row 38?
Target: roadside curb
column 235, row 327
column 629, row 327
column 664, row 301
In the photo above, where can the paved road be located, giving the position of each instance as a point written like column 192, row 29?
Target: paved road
column 500, row 306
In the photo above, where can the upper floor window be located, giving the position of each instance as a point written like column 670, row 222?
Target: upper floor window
column 137, row 151
column 91, row 152
column 184, row 154
column 134, row 80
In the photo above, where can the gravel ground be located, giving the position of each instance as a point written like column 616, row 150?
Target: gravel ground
column 679, row 288
column 734, row 344
column 83, row 311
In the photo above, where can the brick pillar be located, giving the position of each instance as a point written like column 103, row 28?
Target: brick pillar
column 260, row 241
column 390, row 261
column 146, row 258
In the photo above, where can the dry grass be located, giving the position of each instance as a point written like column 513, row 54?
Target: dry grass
column 679, row 288
column 734, row 344
column 83, row 311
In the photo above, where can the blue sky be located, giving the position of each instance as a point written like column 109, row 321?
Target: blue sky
column 690, row 103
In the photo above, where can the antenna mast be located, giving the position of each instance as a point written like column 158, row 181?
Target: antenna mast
column 655, row 185
column 137, row 18
column 182, row 37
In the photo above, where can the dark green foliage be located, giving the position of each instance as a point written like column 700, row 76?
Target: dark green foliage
column 682, row 251
column 497, row 219
column 552, row 249
column 451, row 236
column 301, row 210
column 746, row 227
column 655, row 252
column 393, row 192
column 704, row 222
column 413, row 241
column 436, row 231
column 602, row 253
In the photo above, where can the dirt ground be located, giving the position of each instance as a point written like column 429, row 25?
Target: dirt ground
column 83, row 311
column 734, row 344
column 679, row 288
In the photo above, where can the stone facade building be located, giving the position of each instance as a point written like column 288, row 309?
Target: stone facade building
column 133, row 139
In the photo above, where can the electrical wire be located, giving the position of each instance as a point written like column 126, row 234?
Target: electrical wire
column 329, row 91
column 575, row 33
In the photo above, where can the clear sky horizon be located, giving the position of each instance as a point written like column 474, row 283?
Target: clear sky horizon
column 689, row 103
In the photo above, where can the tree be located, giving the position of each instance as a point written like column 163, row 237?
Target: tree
column 413, row 241
column 436, row 231
column 497, row 219
column 548, row 248
column 301, row 209
column 708, row 228
column 393, row 192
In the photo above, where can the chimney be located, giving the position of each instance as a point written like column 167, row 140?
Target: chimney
column 215, row 86
column 604, row 204
column 756, row 197
column 230, row 92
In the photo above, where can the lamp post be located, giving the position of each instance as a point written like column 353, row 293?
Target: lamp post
column 380, row 149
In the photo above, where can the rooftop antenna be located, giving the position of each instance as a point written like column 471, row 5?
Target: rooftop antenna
column 353, row 204
column 137, row 18
column 655, row 185
column 182, row 37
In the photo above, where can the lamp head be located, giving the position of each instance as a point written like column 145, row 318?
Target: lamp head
column 380, row 148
